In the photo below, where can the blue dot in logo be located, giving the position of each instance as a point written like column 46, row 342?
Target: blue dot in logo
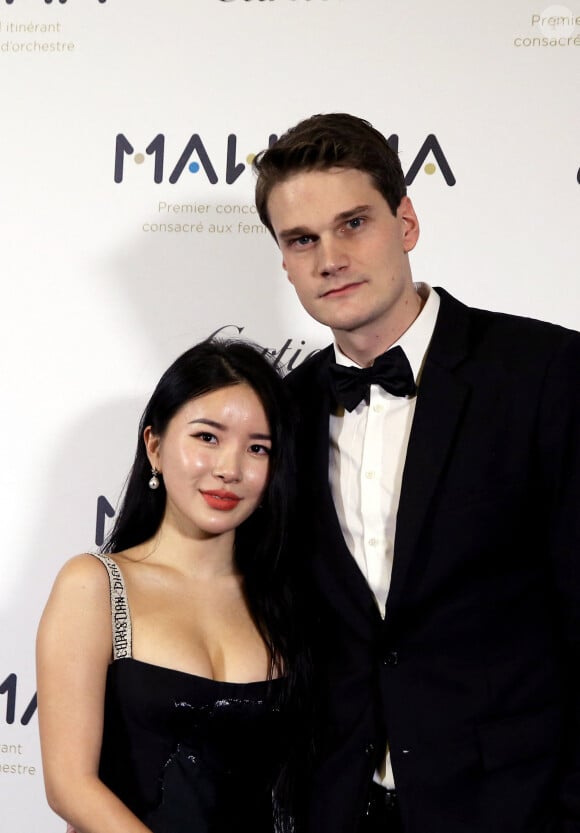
column 193, row 167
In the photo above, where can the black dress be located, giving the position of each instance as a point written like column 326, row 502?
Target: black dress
column 185, row 753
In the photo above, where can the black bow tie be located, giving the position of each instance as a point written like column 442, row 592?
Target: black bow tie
column 391, row 370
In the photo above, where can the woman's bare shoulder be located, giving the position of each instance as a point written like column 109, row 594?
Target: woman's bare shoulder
column 82, row 574
column 77, row 614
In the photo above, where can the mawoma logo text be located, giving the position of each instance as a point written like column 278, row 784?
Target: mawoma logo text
column 222, row 162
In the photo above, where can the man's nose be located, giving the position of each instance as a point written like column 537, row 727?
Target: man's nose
column 332, row 256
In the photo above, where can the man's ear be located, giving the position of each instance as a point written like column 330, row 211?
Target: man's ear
column 409, row 224
column 152, row 443
column 285, row 268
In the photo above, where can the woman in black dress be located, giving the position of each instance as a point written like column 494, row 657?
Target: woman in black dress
column 171, row 668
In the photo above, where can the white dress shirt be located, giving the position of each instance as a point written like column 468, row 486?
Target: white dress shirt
column 368, row 447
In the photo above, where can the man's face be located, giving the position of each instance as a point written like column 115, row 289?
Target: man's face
column 344, row 251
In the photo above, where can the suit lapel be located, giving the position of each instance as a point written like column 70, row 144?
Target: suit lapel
column 440, row 404
column 334, row 565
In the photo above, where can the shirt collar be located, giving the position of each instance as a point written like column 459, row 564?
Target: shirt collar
column 416, row 339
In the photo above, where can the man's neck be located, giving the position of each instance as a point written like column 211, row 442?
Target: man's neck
column 364, row 345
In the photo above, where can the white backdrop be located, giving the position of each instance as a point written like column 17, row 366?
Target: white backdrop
column 104, row 283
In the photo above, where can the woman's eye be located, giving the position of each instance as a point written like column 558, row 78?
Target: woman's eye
column 259, row 449
column 205, row 437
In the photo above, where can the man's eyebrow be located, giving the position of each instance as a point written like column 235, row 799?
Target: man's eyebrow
column 303, row 231
column 297, row 231
column 352, row 212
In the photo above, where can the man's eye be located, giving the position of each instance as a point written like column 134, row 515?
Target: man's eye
column 302, row 241
column 356, row 222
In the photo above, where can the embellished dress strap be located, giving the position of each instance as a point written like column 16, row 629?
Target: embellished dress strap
column 120, row 615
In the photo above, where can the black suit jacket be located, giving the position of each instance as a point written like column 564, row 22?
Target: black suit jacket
column 472, row 677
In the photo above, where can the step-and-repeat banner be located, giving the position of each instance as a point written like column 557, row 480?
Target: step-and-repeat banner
column 128, row 231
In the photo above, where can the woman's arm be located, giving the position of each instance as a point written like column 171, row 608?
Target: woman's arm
column 73, row 654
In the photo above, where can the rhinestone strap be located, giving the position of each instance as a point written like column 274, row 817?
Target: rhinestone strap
column 120, row 616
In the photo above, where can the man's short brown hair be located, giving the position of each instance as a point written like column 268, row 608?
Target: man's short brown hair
column 331, row 140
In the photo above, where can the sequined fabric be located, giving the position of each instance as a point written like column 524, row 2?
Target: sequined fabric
column 192, row 755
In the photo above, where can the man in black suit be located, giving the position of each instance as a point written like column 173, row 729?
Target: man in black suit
column 439, row 490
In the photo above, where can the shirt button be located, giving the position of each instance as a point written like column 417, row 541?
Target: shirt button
column 392, row 658
column 369, row 475
column 372, row 542
column 378, row 409
column 369, row 749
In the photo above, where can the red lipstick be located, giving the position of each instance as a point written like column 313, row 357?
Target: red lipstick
column 220, row 499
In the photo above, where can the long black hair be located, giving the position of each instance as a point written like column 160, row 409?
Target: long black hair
column 260, row 539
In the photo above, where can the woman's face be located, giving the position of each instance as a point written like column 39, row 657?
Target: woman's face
column 214, row 458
